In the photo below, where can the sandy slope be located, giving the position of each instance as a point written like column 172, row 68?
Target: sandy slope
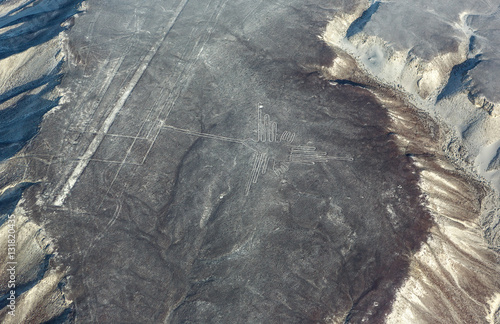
column 435, row 59
column 31, row 55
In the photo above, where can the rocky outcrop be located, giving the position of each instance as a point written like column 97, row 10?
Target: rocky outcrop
column 31, row 282
column 434, row 68
column 36, row 282
column 454, row 275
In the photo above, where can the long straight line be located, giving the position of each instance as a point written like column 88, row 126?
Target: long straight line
column 254, row 169
column 259, row 167
column 217, row 137
column 92, row 148
column 176, row 92
column 103, row 90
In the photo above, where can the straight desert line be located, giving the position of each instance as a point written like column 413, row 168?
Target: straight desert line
column 92, row 148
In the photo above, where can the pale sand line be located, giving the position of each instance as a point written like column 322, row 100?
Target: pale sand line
column 218, row 137
column 118, row 135
column 254, row 170
column 85, row 159
column 206, row 135
column 175, row 92
column 259, row 167
column 102, row 91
